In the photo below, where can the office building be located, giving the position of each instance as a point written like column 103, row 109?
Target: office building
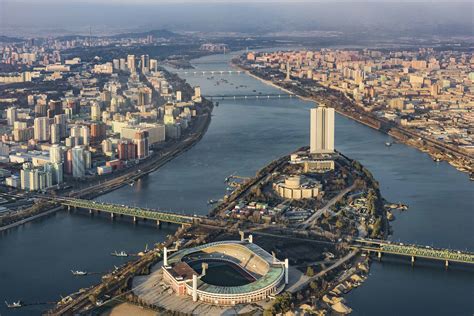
column 78, row 163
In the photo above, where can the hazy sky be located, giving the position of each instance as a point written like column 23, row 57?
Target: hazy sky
column 405, row 17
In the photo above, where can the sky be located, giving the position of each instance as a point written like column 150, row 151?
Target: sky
column 26, row 17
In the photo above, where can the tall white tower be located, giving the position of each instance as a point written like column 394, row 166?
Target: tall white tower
column 322, row 130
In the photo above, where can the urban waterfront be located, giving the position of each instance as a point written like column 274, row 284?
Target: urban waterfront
column 244, row 136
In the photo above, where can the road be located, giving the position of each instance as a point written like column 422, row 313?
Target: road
column 303, row 282
column 312, row 219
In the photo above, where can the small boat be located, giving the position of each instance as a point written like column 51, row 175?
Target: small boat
column 78, row 273
column 119, row 254
column 14, row 304
column 210, row 202
column 388, row 144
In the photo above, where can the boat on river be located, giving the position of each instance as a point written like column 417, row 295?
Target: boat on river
column 119, row 254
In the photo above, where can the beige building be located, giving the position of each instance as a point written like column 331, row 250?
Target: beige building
column 322, row 130
column 297, row 187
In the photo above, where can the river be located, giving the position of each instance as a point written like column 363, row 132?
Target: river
column 244, row 135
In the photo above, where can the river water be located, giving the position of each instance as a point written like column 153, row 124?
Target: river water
column 244, row 135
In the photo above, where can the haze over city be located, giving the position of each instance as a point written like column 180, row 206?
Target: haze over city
column 236, row 157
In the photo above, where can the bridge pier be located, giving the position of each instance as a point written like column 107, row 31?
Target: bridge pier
column 412, row 260
column 158, row 223
column 379, row 255
column 446, row 264
column 112, row 215
column 69, row 207
column 135, row 219
column 90, row 211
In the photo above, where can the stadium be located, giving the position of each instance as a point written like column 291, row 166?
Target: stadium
column 225, row 272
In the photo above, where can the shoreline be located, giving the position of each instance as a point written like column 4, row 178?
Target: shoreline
column 398, row 133
column 132, row 174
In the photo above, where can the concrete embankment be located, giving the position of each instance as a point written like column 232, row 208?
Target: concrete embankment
column 29, row 219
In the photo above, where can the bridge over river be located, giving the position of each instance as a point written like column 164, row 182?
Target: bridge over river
column 370, row 245
column 249, row 96
column 134, row 212
column 412, row 251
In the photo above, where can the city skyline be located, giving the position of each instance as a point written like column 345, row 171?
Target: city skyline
column 224, row 157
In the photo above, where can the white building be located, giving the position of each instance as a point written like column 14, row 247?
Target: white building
column 41, row 129
column 322, row 130
column 11, row 116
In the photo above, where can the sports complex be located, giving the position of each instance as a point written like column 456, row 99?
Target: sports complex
column 225, row 272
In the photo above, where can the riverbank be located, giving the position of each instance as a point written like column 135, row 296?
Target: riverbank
column 462, row 161
column 174, row 149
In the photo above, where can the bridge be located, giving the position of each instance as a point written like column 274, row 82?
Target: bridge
column 413, row 251
column 134, row 212
column 249, row 96
column 209, row 72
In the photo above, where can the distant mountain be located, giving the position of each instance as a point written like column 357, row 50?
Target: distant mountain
column 7, row 39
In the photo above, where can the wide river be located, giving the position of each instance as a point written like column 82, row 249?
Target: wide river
column 36, row 258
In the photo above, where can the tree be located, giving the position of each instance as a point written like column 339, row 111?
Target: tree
column 313, row 285
column 268, row 312
column 310, row 271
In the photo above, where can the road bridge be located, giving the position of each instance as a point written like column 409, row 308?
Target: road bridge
column 209, row 72
column 134, row 212
column 249, row 96
column 412, row 251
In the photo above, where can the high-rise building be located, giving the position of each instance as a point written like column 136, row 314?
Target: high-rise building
column 123, row 64
column 322, row 130
column 41, row 129
column 95, row 112
column 107, row 146
column 75, row 131
column 85, row 135
column 55, row 107
column 145, row 63
column 11, row 116
column 41, row 109
column 131, row 63
column 61, row 120
column 126, row 150
column 34, row 178
column 141, row 140
column 153, row 65
column 78, row 163
column 55, row 154
column 55, row 134
column 98, row 132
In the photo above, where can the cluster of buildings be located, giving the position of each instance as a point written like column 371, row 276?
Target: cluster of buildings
column 107, row 119
column 429, row 90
